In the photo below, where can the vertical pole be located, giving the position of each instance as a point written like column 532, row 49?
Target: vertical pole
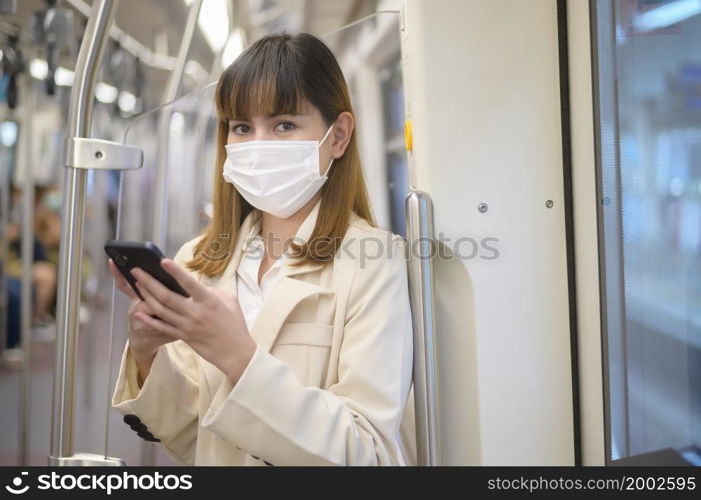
column 72, row 221
column 4, row 246
column 160, row 214
column 27, row 308
column 203, row 117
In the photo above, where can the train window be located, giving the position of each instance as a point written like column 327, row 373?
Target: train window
column 648, row 107
column 395, row 153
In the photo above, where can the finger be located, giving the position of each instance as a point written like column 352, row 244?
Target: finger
column 146, row 332
column 143, row 307
column 163, row 294
column 194, row 288
column 157, row 307
column 159, row 326
column 136, row 307
column 121, row 281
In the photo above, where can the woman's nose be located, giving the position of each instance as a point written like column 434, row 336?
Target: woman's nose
column 264, row 135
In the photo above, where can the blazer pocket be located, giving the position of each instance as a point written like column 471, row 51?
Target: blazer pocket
column 305, row 334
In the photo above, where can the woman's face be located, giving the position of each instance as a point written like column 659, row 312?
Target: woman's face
column 308, row 125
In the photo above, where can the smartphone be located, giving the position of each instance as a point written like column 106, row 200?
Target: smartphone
column 127, row 255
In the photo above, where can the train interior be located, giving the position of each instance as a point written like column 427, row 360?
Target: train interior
column 554, row 146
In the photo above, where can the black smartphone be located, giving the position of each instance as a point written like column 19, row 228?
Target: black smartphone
column 147, row 256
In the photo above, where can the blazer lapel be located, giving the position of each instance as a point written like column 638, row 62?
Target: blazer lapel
column 289, row 291
column 283, row 298
column 286, row 293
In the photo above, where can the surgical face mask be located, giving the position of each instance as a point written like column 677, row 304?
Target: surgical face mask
column 277, row 177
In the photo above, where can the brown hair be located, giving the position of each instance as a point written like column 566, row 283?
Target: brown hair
column 276, row 75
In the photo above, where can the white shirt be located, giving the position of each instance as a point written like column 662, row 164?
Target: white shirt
column 250, row 293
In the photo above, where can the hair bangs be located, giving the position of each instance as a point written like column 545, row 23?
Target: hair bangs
column 282, row 74
column 261, row 85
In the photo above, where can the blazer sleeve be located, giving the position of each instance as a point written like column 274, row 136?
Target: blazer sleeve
column 356, row 420
column 167, row 403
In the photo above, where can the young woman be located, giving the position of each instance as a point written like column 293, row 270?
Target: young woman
column 295, row 345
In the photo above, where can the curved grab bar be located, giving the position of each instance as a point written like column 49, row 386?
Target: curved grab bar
column 419, row 230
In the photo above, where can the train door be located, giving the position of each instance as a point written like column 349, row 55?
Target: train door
column 636, row 145
column 486, row 152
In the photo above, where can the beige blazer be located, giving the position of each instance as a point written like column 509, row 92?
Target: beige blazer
column 330, row 380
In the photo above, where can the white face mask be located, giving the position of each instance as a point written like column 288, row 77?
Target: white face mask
column 277, row 177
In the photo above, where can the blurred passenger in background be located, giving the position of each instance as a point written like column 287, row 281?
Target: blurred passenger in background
column 44, row 271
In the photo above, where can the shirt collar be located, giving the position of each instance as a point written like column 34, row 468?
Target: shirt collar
column 254, row 242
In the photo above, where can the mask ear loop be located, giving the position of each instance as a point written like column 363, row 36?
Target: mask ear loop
column 327, row 133
column 329, row 168
column 322, row 142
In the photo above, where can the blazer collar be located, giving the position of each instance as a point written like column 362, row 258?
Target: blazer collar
column 250, row 227
column 287, row 292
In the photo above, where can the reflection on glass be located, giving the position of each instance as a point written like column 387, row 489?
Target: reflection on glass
column 190, row 142
column 649, row 107
column 395, row 153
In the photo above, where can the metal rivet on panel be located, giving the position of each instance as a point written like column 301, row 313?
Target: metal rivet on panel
column 549, row 203
column 482, row 207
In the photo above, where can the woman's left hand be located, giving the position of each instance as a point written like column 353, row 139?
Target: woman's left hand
column 210, row 320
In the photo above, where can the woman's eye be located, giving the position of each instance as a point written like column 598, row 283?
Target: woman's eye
column 240, row 129
column 285, row 127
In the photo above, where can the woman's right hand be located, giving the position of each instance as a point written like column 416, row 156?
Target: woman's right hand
column 143, row 341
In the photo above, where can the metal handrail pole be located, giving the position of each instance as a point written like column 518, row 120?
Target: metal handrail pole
column 419, row 226
column 72, row 222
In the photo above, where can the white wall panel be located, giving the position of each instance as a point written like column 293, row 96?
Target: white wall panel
column 483, row 95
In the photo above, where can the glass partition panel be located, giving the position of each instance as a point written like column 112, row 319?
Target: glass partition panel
column 181, row 136
column 648, row 68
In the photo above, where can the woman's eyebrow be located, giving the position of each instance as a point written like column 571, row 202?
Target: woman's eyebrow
column 275, row 115
column 268, row 116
